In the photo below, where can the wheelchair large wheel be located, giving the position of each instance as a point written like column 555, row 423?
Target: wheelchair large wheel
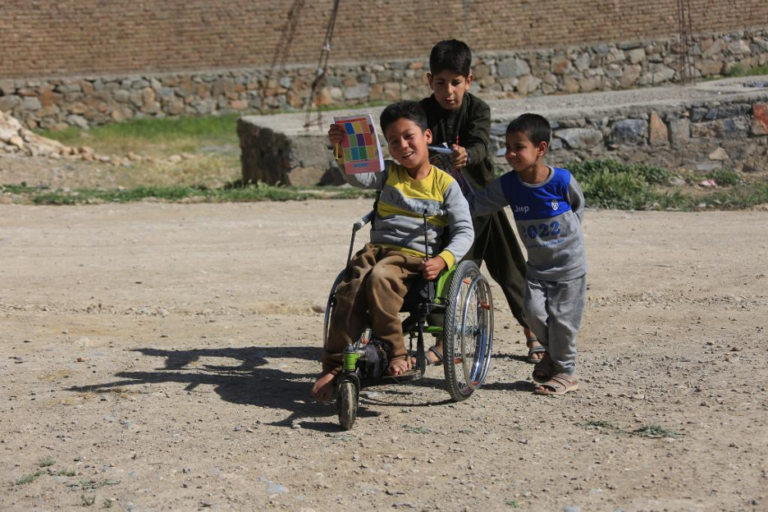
column 330, row 307
column 468, row 331
column 346, row 403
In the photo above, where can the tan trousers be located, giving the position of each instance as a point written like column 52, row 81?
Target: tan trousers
column 378, row 280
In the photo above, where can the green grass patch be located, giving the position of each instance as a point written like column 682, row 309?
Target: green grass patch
column 725, row 177
column 740, row 70
column 614, row 185
column 66, row 472
column 28, row 479
column 249, row 193
column 86, row 500
column 221, row 129
column 156, row 137
column 20, row 189
column 591, row 168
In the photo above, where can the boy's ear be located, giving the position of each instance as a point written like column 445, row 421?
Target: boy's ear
column 428, row 135
column 430, row 79
column 470, row 79
column 542, row 148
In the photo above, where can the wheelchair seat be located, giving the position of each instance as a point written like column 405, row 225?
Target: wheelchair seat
column 421, row 290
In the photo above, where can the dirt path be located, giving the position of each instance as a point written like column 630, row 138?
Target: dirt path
column 159, row 357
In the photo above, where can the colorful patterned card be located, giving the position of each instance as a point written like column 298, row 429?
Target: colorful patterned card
column 360, row 149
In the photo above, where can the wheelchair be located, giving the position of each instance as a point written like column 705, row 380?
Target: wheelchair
column 458, row 307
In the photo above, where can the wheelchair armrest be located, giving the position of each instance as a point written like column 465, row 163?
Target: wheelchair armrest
column 362, row 222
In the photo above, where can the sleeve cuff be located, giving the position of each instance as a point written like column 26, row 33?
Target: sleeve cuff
column 448, row 257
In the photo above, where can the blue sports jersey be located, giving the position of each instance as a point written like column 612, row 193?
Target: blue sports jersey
column 548, row 217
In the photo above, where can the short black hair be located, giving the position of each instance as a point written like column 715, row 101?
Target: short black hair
column 534, row 126
column 410, row 110
column 451, row 54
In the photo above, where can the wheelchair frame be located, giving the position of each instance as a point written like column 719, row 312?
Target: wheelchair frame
column 467, row 333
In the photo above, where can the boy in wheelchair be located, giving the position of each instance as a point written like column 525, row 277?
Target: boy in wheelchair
column 380, row 275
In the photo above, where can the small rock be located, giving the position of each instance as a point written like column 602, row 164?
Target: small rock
column 719, row 154
column 676, row 181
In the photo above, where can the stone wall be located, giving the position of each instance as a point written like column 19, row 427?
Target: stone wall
column 700, row 137
column 87, row 101
column 719, row 124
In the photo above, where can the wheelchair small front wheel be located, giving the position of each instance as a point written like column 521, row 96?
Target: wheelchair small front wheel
column 346, row 403
column 468, row 331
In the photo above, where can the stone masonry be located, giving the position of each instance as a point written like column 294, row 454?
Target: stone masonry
column 93, row 100
column 719, row 124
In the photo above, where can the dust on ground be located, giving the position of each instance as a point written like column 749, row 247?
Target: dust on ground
column 160, row 357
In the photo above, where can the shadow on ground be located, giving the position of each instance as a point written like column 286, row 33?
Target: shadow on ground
column 256, row 381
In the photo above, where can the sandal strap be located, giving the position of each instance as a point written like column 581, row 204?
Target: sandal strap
column 559, row 381
column 438, row 355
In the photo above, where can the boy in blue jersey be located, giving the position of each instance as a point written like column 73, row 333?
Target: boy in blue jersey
column 381, row 274
column 548, row 206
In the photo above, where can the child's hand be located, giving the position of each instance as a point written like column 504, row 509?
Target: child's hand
column 431, row 268
column 459, row 157
column 335, row 135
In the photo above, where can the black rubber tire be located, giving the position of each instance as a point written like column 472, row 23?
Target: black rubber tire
column 330, row 307
column 347, row 404
column 451, row 334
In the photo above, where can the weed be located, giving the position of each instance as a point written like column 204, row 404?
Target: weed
column 414, row 429
column 67, row 472
column 599, row 425
column 512, row 503
column 724, row 177
column 169, row 135
column 46, row 462
column 87, row 501
column 92, row 485
column 28, row 479
column 249, row 193
column 647, row 173
column 654, row 431
column 739, row 70
column 108, row 503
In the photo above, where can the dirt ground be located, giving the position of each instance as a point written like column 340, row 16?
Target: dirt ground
column 160, row 357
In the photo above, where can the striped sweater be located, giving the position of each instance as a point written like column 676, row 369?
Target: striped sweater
column 399, row 223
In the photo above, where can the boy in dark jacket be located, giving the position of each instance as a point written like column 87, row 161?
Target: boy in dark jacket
column 462, row 122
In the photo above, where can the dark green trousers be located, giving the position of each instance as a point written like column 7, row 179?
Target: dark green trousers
column 496, row 244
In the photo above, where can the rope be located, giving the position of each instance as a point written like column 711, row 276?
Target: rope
column 322, row 69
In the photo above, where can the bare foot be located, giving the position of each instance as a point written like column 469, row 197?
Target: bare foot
column 322, row 391
column 399, row 366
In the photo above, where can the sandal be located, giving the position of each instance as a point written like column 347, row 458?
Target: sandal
column 437, row 361
column 544, row 369
column 538, row 349
column 558, row 384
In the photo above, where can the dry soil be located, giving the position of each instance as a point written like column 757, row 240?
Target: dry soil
column 160, row 357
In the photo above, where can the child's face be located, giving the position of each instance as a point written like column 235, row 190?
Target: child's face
column 449, row 88
column 521, row 153
column 408, row 143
